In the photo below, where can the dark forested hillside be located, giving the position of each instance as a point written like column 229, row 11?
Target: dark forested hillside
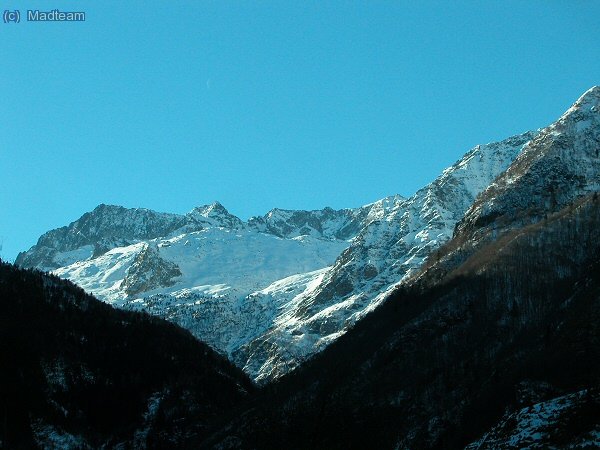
column 437, row 366
column 76, row 373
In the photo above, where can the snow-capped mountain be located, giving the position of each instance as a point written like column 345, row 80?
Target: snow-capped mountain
column 560, row 165
column 492, row 341
column 204, row 270
column 396, row 241
column 96, row 232
column 506, row 338
column 272, row 291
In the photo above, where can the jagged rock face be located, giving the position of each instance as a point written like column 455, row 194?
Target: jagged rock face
column 343, row 224
column 96, row 232
column 391, row 247
column 559, row 165
column 108, row 227
column 215, row 215
column 555, row 168
column 149, row 271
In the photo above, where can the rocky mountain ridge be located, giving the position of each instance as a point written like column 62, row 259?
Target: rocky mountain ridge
column 556, row 168
column 388, row 249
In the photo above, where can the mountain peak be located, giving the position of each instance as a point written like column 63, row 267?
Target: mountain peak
column 593, row 92
column 590, row 98
column 103, row 207
column 589, row 102
column 96, row 232
column 211, row 210
column 215, row 214
column 557, row 167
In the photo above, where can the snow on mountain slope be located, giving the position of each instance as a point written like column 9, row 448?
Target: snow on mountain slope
column 394, row 243
column 559, row 165
column 343, row 224
column 568, row 421
column 555, row 169
column 516, row 180
column 98, row 231
column 208, row 269
column 203, row 279
column 215, row 215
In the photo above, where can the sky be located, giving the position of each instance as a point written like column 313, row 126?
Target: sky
column 169, row 105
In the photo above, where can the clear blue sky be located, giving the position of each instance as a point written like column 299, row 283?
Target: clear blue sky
column 259, row 104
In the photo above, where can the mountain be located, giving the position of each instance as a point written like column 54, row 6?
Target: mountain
column 478, row 300
column 327, row 223
column 400, row 236
column 512, row 329
column 559, row 166
column 97, row 232
column 203, row 270
column 271, row 292
column 492, row 343
column 77, row 373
